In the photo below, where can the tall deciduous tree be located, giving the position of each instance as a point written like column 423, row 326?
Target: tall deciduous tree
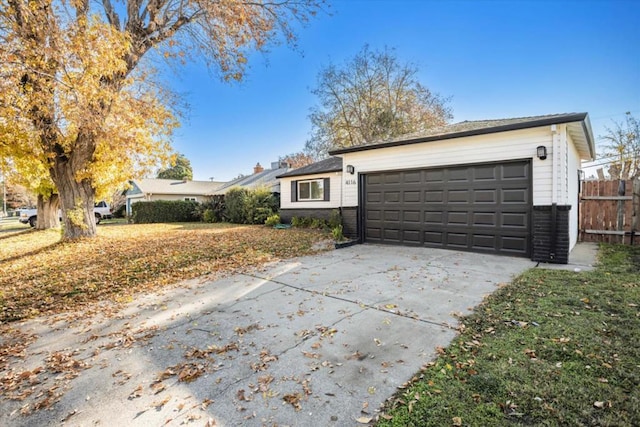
column 373, row 96
column 180, row 169
column 297, row 160
column 78, row 98
column 622, row 144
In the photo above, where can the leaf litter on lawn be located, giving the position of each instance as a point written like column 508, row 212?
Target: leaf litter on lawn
column 42, row 275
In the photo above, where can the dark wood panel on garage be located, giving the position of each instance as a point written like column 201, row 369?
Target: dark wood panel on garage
column 482, row 208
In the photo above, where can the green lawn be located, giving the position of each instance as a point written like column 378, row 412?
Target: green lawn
column 552, row 348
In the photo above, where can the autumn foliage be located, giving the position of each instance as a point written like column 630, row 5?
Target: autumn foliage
column 81, row 106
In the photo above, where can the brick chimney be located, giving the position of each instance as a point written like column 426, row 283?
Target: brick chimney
column 257, row 168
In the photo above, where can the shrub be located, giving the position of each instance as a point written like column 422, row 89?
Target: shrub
column 335, row 219
column 235, row 201
column 336, row 231
column 120, row 211
column 309, row 222
column 164, row 211
column 272, row 220
column 244, row 206
column 259, row 205
column 212, row 210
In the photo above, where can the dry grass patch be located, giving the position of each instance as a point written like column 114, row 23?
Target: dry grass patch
column 42, row 275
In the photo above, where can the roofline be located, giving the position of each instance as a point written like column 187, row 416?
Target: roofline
column 296, row 173
column 586, row 127
column 576, row 117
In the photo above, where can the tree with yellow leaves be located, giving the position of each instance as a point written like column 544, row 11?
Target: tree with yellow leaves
column 79, row 101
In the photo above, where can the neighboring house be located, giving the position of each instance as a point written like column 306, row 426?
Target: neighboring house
column 505, row 186
column 311, row 191
column 169, row 189
column 202, row 191
column 261, row 177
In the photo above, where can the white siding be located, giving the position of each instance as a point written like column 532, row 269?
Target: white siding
column 573, row 165
column 520, row 144
column 335, row 191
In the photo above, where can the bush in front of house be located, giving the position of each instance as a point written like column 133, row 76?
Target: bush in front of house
column 273, row 220
column 235, row 201
column 254, row 206
column 164, row 211
column 212, row 210
column 334, row 221
column 260, row 205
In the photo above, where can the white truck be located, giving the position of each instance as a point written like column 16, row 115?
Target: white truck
column 101, row 210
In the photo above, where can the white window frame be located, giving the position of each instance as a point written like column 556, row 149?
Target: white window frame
column 310, row 182
column 190, row 199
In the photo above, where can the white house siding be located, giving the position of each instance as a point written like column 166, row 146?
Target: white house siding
column 512, row 145
column 335, row 189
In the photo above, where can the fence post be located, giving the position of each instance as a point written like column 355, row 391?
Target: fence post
column 635, row 215
column 620, row 212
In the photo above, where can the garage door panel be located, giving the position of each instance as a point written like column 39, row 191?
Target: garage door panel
column 484, row 207
column 411, row 216
column 411, row 196
column 484, row 219
column 391, row 196
column 431, row 196
column 434, row 175
column 485, row 173
column 484, row 241
column 516, row 195
column 391, row 216
column 412, row 177
column 433, row 217
column 515, row 171
column 373, row 215
column 457, row 218
column 457, row 240
column 374, row 197
column 515, row 219
column 485, row 196
column 392, row 234
column 454, row 196
column 459, row 175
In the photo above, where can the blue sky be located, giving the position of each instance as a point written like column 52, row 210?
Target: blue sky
column 495, row 59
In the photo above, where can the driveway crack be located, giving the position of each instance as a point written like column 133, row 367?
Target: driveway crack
column 359, row 303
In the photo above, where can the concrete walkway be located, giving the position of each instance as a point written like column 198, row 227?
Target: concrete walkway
column 583, row 257
column 320, row 340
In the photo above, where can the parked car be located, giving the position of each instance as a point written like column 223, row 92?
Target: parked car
column 101, row 210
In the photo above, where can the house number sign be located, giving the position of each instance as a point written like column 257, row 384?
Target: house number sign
column 350, row 182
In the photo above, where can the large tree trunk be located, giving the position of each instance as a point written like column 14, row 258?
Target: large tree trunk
column 48, row 212
column 78, row 200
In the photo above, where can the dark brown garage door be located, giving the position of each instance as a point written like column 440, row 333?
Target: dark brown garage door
column 481, row 208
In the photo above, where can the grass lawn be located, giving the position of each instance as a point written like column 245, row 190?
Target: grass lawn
column 42, row 275
column 552, row 348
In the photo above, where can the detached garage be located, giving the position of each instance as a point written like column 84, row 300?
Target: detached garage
column 507, row 186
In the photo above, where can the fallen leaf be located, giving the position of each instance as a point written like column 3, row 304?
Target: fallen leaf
column 364, row 420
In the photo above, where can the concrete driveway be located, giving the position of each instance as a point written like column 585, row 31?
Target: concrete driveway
column 321, row 340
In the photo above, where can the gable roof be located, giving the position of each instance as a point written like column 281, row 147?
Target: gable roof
column 332, row 164
column 173, row 186
column 266, row 178
column 579, row 128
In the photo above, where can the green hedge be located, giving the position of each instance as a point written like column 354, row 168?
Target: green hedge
column 164, row 211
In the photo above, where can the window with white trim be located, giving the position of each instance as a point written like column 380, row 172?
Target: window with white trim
column 190, row 199
column 311, row 190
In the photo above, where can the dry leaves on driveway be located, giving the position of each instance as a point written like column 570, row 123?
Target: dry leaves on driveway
column 41, row 275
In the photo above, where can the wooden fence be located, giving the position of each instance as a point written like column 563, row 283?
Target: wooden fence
column 606, row 212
